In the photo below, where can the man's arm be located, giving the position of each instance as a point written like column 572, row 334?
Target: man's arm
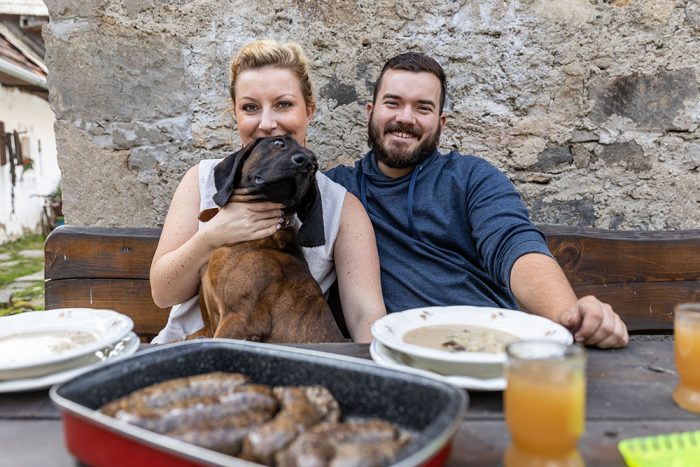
column 540, row 287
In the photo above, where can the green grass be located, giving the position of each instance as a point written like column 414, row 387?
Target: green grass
column 32, row 297
column 25, row 265
column 30, row 242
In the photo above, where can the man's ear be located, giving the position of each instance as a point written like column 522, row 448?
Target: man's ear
column 443, row 120
column 369, row 112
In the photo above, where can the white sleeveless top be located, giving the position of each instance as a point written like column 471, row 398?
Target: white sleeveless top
column 186, row 318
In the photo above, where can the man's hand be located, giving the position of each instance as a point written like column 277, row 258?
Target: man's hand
column 594, row 323
column 540, row 287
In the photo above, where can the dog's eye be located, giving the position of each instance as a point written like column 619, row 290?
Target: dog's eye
column 279, row 143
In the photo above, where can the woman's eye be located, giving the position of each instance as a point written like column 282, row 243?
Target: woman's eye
column 249, row 107
column 285, row 105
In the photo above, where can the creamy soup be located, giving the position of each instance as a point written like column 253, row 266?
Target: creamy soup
column 460, row 338
column 29, row 346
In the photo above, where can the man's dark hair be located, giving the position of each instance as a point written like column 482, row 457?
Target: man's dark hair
column 415, row 62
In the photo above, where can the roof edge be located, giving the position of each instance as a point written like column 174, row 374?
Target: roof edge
column 25, row 7
column 22, row 74
column 22, row 47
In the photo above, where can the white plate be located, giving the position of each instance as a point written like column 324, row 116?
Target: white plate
column 389, row 358
column 42, row 342
column 130, row 344
column 390, row 330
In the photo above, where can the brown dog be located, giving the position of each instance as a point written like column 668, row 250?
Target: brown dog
column 262, row 290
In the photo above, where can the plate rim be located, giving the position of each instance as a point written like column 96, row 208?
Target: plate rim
column 123, row 331
column 48, row 380
column 395, row 343
column 465, row 382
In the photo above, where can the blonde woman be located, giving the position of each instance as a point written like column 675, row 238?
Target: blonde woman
column 272, row 95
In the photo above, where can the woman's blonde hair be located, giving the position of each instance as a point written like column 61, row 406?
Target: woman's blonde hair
column 264, row 53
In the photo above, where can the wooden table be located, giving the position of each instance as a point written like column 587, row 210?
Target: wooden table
column 629, row 394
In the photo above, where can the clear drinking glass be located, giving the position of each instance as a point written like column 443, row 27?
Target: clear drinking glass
column 545, row 403
column 686, row 330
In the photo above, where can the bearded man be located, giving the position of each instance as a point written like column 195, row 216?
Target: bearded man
column 451, row 229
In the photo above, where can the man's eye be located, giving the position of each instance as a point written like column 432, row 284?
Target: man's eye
column 425, row 109
column 391, row 103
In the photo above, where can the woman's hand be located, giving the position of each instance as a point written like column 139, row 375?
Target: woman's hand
column 241, row 222
column 183, row 248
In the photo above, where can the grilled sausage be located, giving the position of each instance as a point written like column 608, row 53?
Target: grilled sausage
column 224, row 434
column 175, row 390
column 224, row 412
column 297, row 413
column 324, row 402
column 366, row 454
column 322, row 444
column 199, row 409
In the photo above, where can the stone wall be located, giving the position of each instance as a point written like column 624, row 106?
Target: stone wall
column 590, row 106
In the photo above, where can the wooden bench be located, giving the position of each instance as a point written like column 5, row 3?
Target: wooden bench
column 642, row 274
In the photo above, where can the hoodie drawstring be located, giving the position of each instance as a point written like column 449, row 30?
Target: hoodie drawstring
column 409, row 201
column 363, row 191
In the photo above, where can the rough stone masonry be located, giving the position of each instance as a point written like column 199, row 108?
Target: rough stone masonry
column 591, row 107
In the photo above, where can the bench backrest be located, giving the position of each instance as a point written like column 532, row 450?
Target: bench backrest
column 642, row 274
column 98, row 267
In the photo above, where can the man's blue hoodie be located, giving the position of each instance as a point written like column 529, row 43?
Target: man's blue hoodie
column 448, row 233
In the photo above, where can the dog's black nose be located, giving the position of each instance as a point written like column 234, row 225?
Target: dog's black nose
column 302, row 160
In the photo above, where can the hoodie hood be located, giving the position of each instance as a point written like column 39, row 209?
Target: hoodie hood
column 370, row 173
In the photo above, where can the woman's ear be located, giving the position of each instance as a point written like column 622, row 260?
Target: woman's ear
column 310, row 111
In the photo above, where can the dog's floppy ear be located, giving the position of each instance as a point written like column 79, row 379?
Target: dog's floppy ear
column 310, row 212
column 227, row 173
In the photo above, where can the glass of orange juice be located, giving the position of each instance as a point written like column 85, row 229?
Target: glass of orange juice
column 686, row 330
column 545, row 403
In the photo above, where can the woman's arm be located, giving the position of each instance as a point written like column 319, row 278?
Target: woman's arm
column 183, row 248
column 179, row 256
column 357, row 267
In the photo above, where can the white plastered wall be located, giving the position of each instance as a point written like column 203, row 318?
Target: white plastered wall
column 32, row 117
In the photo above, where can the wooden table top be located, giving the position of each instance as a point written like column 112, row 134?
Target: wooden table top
column 628, row 395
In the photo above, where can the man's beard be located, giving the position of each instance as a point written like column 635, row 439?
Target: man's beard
column 397, row 158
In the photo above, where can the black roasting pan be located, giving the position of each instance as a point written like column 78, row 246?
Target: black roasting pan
column 431, row 408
